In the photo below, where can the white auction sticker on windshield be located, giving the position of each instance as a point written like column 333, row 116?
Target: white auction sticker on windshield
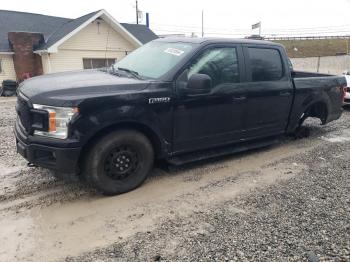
column 174, row 51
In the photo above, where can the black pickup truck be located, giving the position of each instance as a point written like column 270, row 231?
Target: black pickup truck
column 180, row 100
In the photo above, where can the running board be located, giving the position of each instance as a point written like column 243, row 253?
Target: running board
column 222, row 151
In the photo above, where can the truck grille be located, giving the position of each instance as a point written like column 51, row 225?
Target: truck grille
column 23, row 112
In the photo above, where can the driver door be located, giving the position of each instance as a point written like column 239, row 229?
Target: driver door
column 215, row 118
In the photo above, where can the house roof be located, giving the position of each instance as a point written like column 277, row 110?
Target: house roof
column 65, row 29
column 55, row 29
column 12, row 21
column 141, row 32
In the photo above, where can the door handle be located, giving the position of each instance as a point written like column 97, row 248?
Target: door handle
column 239, row 98
column 287, row 93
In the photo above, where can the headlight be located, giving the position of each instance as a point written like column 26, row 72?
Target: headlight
column 59, row 118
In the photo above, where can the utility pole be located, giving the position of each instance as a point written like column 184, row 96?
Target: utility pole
column 137, row 13
column 202, row 23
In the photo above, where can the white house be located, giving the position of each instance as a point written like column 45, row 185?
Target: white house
column 33, row 44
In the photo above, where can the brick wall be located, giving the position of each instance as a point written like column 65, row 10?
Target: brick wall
column 26, row 63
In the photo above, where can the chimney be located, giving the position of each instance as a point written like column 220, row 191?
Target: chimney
column 26, row 63
column 147, row 20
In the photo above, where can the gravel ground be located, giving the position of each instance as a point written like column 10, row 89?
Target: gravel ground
column 7, row 118
column 289, row 202
column 303, row 219
column 306, row 218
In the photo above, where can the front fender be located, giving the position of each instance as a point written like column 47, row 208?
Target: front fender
column 88, row 125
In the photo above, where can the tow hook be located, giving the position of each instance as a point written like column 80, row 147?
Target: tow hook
column 30, row 165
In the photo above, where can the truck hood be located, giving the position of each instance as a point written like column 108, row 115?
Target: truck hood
column 66, row 89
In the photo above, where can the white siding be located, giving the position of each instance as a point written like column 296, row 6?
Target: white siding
column 68, row 60
column 97, row 40
column 45, row 61
column 8, row 70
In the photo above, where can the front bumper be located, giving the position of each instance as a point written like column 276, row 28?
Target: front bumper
column 62, row 159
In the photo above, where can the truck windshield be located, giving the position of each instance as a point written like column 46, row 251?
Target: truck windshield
column 154, row 59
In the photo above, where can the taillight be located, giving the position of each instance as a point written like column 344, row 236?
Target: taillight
column 343, row 90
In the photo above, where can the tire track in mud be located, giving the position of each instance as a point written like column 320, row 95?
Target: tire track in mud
column 23, row 187
column 31, row 187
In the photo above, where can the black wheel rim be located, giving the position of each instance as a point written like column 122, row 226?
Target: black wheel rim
column 121, row 162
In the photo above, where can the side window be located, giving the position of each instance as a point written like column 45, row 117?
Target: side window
column 92, row 63
column 265, row 64
column 221, row 64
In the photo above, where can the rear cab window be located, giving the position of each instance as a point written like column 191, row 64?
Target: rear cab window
column 264, row 64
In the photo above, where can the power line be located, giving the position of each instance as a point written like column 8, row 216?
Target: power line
column 312, row 28
column 267, row 31
column 245, row 29
column 296, row 34
column 249, row 32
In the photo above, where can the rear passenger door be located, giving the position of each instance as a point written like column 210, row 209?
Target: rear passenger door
column 269, row 91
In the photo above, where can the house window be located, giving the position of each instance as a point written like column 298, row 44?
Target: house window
column 92, row 63
column 0, row 66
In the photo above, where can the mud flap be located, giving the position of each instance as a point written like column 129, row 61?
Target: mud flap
column 301, row 132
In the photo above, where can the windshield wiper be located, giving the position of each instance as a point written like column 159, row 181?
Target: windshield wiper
column 131, row 72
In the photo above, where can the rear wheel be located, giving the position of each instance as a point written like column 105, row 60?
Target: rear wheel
column 119, row 162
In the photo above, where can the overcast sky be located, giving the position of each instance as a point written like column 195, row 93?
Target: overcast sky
column 221, row 17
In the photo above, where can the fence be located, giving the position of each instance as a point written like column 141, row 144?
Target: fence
column 273, row 38
column 326, row 64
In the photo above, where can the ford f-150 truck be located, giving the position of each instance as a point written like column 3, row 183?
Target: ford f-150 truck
column 179, row 100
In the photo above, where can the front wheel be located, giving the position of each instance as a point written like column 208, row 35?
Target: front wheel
column 119, row 162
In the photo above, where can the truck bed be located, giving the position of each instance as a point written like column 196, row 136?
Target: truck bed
column 323, row 90
column 302, row 74
column 317, row 81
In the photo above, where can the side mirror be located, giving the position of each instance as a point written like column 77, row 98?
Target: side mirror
column 199, row 84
